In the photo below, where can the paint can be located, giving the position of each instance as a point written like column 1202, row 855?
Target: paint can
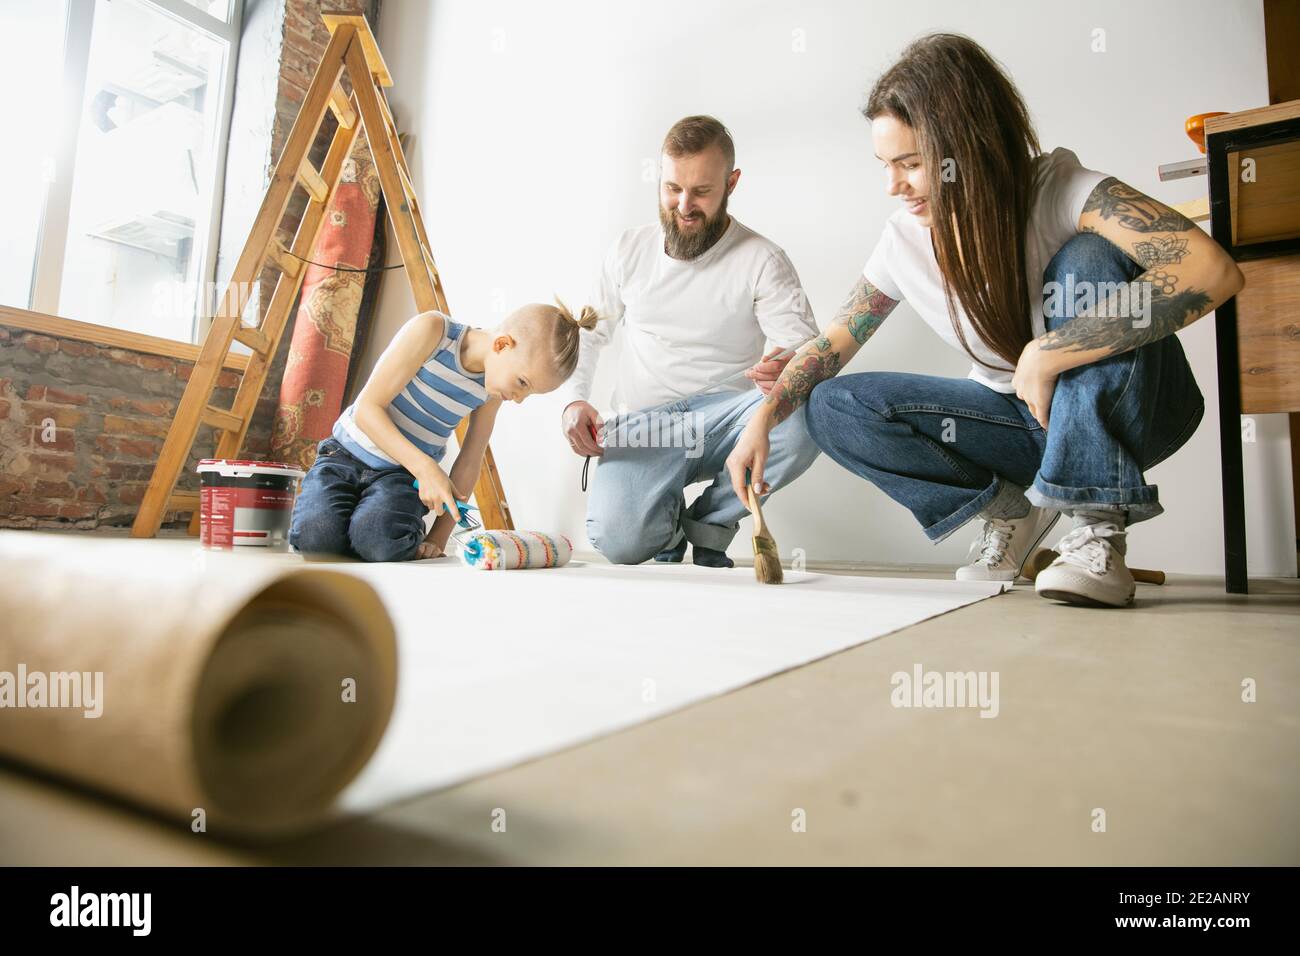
column 246, row 503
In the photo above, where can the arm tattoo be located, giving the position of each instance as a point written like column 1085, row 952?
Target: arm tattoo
column 1108, row 327
column 1160, row 251
column 864, row 310
column 1139, row 212
column 800, row 376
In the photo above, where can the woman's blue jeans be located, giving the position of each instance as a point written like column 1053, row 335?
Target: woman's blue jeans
column 948, row 449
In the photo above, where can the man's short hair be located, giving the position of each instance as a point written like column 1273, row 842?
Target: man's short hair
column 695, row 134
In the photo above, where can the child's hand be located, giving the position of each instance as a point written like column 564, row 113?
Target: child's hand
column 427, row 549
column 437, row 492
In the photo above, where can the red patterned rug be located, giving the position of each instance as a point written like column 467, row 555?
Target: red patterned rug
column 316, row 372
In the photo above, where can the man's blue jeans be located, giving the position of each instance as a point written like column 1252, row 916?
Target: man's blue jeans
column 947, row 449
column 348, row 508
column 637, row 507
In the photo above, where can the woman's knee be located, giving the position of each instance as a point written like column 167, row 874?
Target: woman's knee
column 1089, row 257
column 1088, row 272
column 838, row 406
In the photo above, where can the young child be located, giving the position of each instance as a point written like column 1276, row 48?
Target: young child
column 359, row 498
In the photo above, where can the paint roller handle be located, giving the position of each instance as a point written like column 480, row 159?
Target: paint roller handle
column 463, row 520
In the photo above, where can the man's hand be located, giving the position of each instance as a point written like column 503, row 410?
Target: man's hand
column 765, row 373
column 580, row 420
column 749, row 454
column 1035, row 381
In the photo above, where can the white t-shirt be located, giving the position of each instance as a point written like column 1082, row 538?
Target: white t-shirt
column 903, row 265
column 690, row 324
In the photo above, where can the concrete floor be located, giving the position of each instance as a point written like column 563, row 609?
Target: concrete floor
column 1137, row 712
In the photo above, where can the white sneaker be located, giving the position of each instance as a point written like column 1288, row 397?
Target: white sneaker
column 1005, row 544
column 1090, row 571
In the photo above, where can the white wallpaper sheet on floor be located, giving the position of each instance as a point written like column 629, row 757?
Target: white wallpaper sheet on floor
column 496, row 668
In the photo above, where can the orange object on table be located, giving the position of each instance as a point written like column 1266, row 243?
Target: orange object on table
column 1195, row 127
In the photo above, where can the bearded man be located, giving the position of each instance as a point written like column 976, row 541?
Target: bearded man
column 706, row 307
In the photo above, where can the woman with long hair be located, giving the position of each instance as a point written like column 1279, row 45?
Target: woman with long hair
column 1064, row 286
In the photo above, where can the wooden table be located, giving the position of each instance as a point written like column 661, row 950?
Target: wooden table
column 1253, row 160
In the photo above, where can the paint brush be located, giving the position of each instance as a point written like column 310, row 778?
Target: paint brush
column 767, row 560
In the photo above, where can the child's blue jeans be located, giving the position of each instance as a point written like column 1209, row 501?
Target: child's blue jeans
column 947, row 449
column 348, row 508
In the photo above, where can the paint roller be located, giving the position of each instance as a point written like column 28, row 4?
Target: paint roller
column 503, row 550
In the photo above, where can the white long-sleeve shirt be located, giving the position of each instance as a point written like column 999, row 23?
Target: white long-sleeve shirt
column 689, row 324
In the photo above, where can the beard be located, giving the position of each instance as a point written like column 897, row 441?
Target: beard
column 690, row 245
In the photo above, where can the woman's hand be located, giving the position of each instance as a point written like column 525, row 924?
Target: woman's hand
column 750, row 453
column 1035, row 382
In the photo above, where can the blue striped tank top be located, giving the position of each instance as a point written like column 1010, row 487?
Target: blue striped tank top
column 427, row 410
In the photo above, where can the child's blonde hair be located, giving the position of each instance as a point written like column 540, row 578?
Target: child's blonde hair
column 565, row 338
column 553, row 330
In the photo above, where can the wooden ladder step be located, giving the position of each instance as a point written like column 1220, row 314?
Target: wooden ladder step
column 222, row 419
column 311, row 180
column 255, row 339
column 279, row 256
column 341, row 106
column 389, row 121
column 183, row 501
column 408, row 187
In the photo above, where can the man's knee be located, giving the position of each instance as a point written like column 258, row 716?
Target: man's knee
column 626, row 542
column 624, row 537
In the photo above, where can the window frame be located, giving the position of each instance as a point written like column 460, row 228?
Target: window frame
column 79, row 23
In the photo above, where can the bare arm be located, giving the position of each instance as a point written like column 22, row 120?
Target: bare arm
column 410, row 348
column 1187, row 272
column 468, row 465
column 822, row 358
column 862, row 313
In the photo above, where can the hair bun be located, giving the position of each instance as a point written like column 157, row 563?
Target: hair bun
column 588, row 319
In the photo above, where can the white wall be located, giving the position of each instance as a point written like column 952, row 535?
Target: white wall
column 536, row 124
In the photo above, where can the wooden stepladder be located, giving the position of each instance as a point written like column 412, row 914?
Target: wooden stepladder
column 352, row 47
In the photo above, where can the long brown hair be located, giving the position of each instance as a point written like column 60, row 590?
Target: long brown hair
column 963, row 107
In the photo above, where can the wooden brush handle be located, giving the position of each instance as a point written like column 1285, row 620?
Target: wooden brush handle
column 755, row 510
column 1045, row 556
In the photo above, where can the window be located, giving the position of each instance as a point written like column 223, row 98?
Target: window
column 129, row 106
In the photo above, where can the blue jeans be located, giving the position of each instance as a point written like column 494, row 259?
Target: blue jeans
column 347, row 508
column 637, row 507
column 947, row 449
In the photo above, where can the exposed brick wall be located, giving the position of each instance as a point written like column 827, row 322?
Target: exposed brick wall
column 81, row 427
